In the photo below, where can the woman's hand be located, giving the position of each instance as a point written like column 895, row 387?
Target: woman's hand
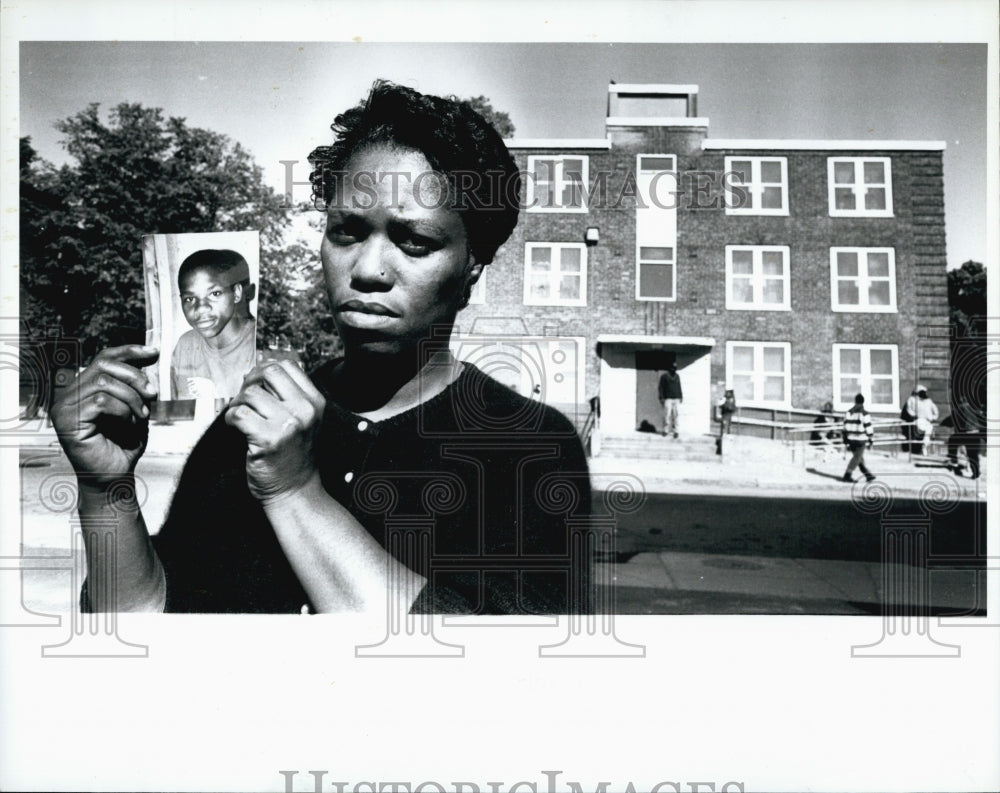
column 102, row 419
column 279, row 411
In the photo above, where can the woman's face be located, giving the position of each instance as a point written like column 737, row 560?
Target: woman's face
column 394, row 254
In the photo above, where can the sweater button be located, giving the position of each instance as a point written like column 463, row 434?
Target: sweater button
column 362, row 426
column 349, row 476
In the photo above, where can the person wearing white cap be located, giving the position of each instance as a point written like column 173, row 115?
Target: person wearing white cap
column 925, row 415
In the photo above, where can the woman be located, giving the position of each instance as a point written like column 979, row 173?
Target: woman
column 396, row 471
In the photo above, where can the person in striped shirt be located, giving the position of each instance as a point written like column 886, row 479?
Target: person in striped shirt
column 858, row 435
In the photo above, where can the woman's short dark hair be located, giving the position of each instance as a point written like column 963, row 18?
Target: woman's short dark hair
column 458, row 143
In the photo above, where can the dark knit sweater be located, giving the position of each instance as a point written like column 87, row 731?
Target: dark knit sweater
column 669, row 386
column 485, row 481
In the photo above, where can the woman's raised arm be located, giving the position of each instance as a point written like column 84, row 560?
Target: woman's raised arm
column 102, row 422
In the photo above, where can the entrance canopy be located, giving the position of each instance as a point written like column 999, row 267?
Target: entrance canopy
column 630, row 367
column 645, row 342
column 657, row 352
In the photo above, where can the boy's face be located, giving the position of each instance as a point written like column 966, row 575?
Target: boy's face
column 208, row 303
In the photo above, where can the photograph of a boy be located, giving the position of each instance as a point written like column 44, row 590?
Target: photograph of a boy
column 211, row 359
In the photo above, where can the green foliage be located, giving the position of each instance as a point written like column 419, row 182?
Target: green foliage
column 143, row 173
column 500, row 120
column 297, row 312
column 967, row 314
column 967, row 298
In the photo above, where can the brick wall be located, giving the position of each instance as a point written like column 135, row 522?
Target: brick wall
column 916, row 232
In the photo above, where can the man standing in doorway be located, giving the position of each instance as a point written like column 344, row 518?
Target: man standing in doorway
column 671, row 397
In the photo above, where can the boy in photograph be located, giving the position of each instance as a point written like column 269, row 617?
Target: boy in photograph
column 211, row 359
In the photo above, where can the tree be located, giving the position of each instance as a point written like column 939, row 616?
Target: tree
column 500, row 120
column 142, row 173
column 297, row 312
column 967, row 315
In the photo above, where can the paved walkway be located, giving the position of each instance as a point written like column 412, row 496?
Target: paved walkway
column 669, row 582
column 756, row 466
column 751, row 466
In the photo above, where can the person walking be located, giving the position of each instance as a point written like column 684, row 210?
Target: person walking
column 968, row 424
column 724, row 415
column 858, row 435
column 671, row 395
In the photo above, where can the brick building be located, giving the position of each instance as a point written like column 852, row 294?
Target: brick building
column 794, row 271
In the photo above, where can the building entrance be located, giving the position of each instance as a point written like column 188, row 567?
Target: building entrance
column 630, row 375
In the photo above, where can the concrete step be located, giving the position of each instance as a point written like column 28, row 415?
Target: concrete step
column 699, row 457
column 648, row 446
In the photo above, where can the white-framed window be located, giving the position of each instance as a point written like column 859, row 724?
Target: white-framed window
column 757, row 277
column 557, row 183
column 860, row 186
column 657, row 273
column 871, row 370
column 656, row 227
column 863, row 279
column 760, row 372
column 555, row 274
column 478, row 295
column 756, row 186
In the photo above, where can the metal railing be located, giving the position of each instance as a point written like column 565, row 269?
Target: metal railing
column 587, row 431
column 793, row 433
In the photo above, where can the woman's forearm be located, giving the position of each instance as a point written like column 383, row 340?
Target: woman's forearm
column 123, row 571
column 340, row 565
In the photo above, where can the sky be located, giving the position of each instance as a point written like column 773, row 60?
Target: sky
column 278, row 98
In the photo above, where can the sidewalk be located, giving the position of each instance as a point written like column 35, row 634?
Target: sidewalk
column 759, row 467
column 674, row 582
column 749, row 466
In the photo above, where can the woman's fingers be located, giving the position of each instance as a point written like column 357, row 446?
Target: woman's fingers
column 286, row 380
column 103, row 389
column 248, row 421
column 126, row 363
column 278, row 410
column 290, row 386
column 139, row 354
column 130, row 375
column 286, row 369
column 265, row 436
column 105, row 403
column 111, row 386
column 101, row 419
column 120, row 363
column 262, row 402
